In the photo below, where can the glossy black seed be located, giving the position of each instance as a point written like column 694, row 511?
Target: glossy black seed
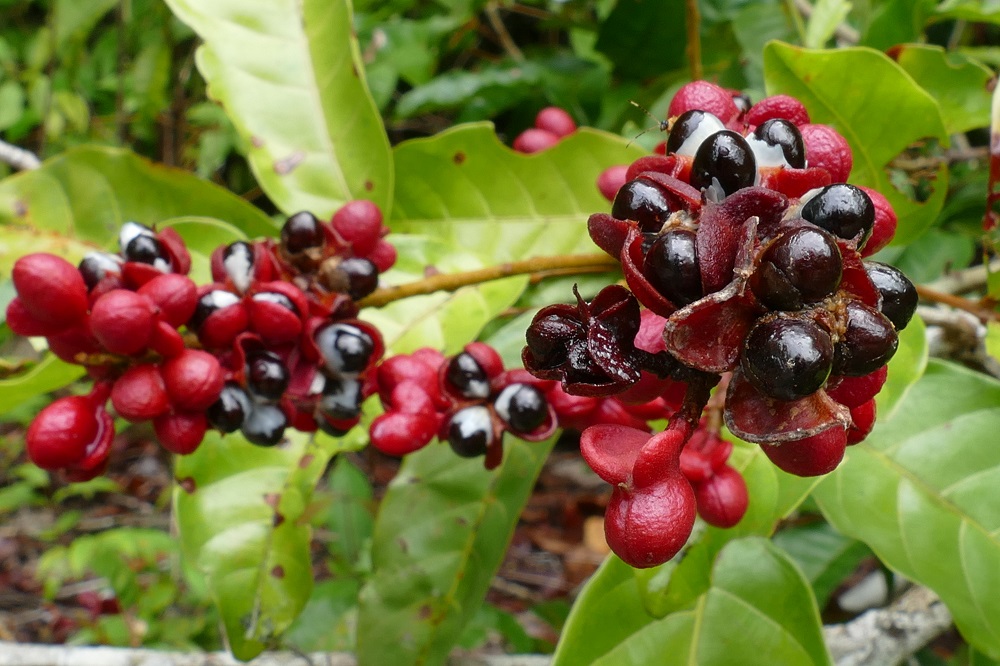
column 641, row 200
column 95, row 266
column 522, row 407
column 779, row 132
column 209, row 303
column 265, row 425
column 899, row 296
column 362, row 276
column 267, row 376
column 787, row 358
column 800, row 266
column 671, row 266
column 228, row 413
column 301, row 232
column 467, row 377
column 687, row 124
column 346, row 349
column 843, row 210
column 726, row 157
column 341, row 399
column 868, row 343
column 470, row 431
column 145, row 249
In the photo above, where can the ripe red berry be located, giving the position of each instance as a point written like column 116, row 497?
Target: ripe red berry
column 722, row 498
column 123, row 321
column 555, row 120
column 175, row 295
column 193, row 380
column 140, row 394
column 611, row 180
column 777, row 106
column 885, row 222
column 181, row 432
column 862, row 422
column 397, row 434
column 533, row 140
column 22, row 322
column 60, row 434
column 359, row 222
column 704, row 96
column 50, row 288
column 811, row 456
column 827, row 149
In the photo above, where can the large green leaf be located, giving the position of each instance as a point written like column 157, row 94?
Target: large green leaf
column 825, row 556
column 292, row 80
column 906, row 366
column 959, row 84
column 878, row 108
column 464, row 188
column 49, row 375
column 441, row 534
column 759, row 609
column 922, row 492
column 86, row 194
column 241, row 511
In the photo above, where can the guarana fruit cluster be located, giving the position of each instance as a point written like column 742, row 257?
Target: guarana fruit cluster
column 273, row 342
column 743, row 238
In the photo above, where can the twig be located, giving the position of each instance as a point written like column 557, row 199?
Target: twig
column 693, row 23
column 966, row 279
column 887, row 636
column 453, row 281
column 17, row 157
column 502, row 34
column 977, row 308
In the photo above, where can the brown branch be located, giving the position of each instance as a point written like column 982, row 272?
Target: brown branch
column 978, row 308
column 451, row 281
column 493, row 15
column 693, row 22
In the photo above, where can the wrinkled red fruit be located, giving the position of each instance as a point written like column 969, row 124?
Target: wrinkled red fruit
column 139, row 394
column 555, row 120
column 60, row 434
column 723, row 498
column 123, row 321
column 812, row 456
column 885, row 222
column 193, row 380
column 704, row 96
column 827, row 149
column 777, row 106
column 359, row 222
column 50, row 288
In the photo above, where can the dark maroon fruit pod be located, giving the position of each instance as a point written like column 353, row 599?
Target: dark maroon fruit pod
column 534, row 140
column 181, row 432
column 709, row 333
column 608, row 233
column 359, row 222
column 777, row 106
column 193, row 379
column 555, row 120
column 811, row 456
column 175, row 295
column 397, row 434
column 754, row 417
column 668, row 165
column 50, row 288
column 140, row 394
column 723, row 498
column 123, row 321
column 61, row 433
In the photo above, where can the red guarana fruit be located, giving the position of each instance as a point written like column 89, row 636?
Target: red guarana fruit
column 397, row 434
column 181, row 432
column 885, row 222
column 611, row 180
column 193, row 380
column 533, row 140
column 827, row 149
column 863, row 420
column 722, row 498
column 555, row 120
column 123, row 321
column 50, row 288
column 704, row 96
column 777, row 106
column 59, row 436
column 175, row 295
column 359, row 222
column 140, row 394
column 812, row 456
column 22, row 322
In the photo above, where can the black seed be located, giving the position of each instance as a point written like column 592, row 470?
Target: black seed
column 899, row 296
column 687, row 124
column 522, row 407
column 467, row 376
column 800, row 266
column 787, row 358
column 145, row 250
column 267, row 375
column 843, row 210
column 362, row 276
column 867, row 344
column 341, row 399
column 228, row 413
column 726, row 157
column 95, row 266
column 346, row 349
column 671, row 266
column 470, row 431
column 779, row 132
column 209, row 303
column 644, row 201
column 265, row 425
column 301, row 232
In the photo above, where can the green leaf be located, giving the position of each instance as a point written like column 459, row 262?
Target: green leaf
column 876, row 106
column 992, row 340
column 921, row 491
column 759, row 606
column 87, row 193
column 291, row 78
column 906, row 367
column 959, row 84
column 441, row 534
column 826, row 16
column 49, row 375
column 76, row 19
column 12, row 102
column 897, row 22
column 644, row 39
column 934, row 253
column 825, row 556
column 465, row 189
column 241, row 513
column 976, row 11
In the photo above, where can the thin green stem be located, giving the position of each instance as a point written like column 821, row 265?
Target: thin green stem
column 693, row 16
